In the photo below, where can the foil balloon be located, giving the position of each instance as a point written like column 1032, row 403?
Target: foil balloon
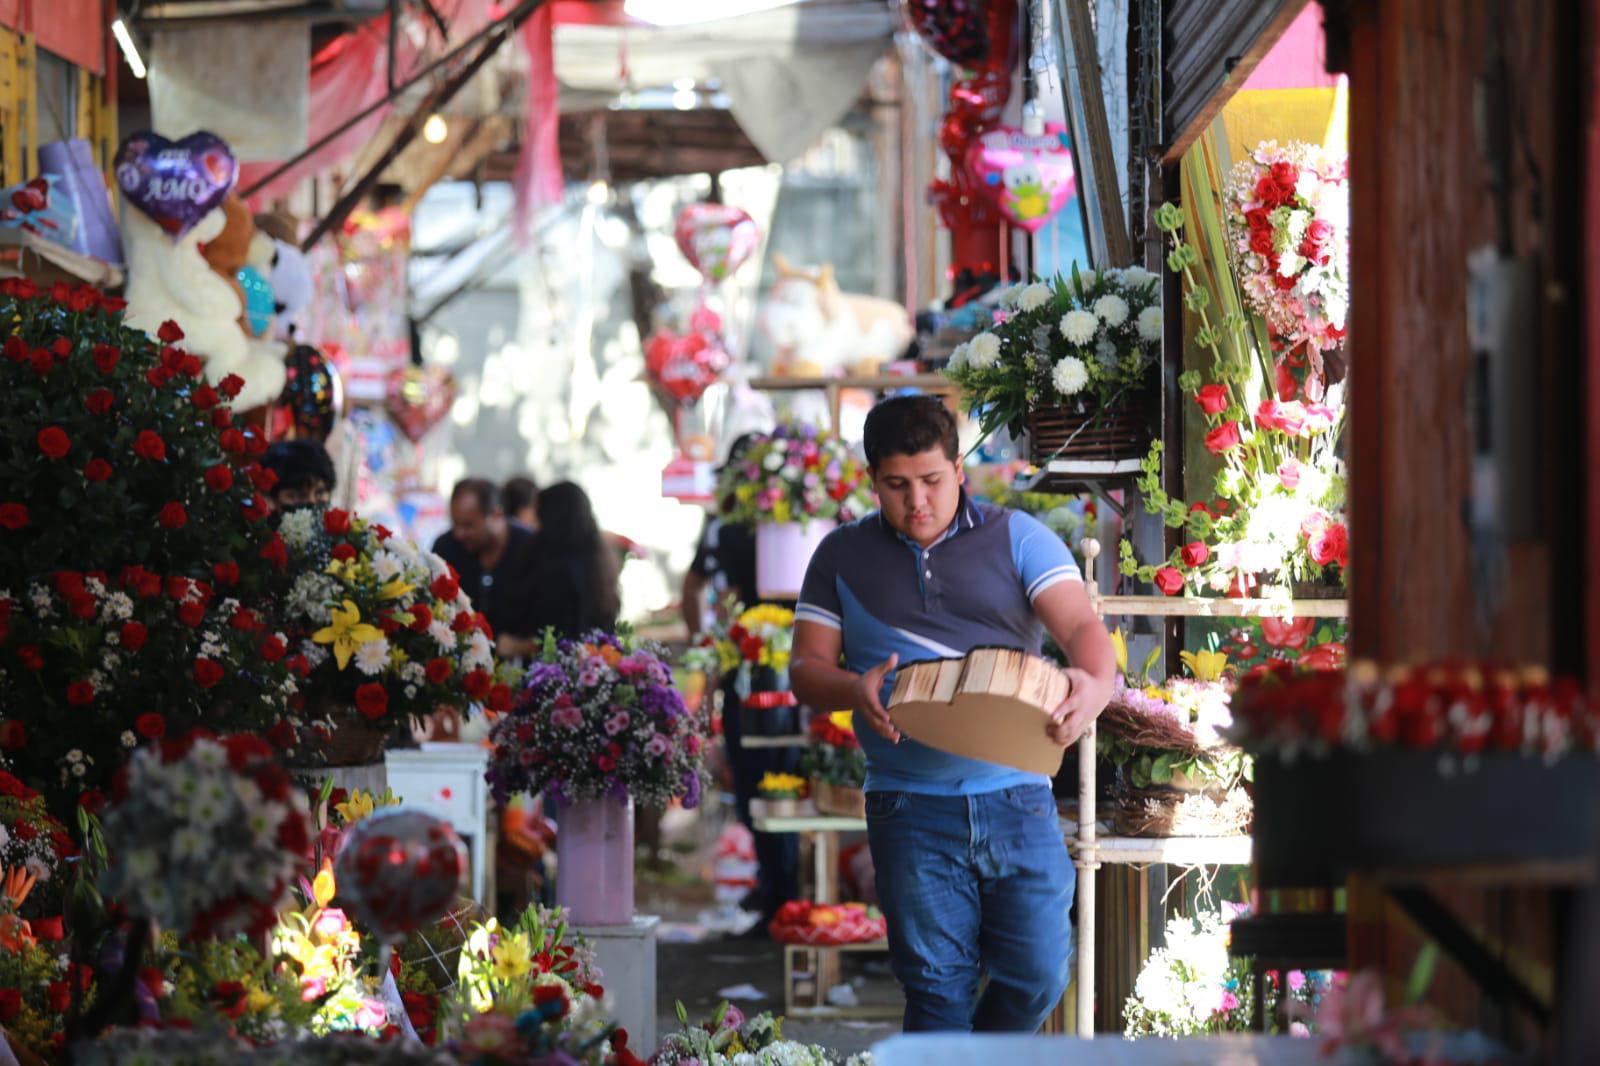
column 684, row 365
column 715, row 238
column 312, row 397
column 176, row 183
column 954, row 29
column 1027, row 178
column 38, row 207
column 259, row 303
column 398, row 870
column 419, row 398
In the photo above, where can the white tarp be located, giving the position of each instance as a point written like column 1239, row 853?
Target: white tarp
column 248, row 83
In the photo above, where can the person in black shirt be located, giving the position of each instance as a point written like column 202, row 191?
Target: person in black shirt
column 520, row 498
column 574, row 574
column 493, row 560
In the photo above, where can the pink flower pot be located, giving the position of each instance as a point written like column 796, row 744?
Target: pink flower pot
column 783, row 551
column 594, row 861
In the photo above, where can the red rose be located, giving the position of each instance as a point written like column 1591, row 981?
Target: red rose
column 255, row 508
column 207, row 673
column 477, row 684
column 1213, row 399
column 1261, row 242
column 1323, row 657
column 1169, row 580
column 42, row 362
column 232, row 441
column 99, row 401
column 255, row 444
column 149, row 445
column 421, row 618
column 13, row 735
column 1194, row 553
column 191, row 366
column 227, row 573
column 465, row 622
column 372, row 700
column 1284, row 283
column 222, row 418
column 105, row 358
column 28, row 655
column 54, row 442
column 134, row 636
column 13, row 516
column 10, row 1004
column 169, row 333
column 343, row 552
column 157, row 376
column 1287, row 633
column 219, row 478
column 336, row 522
column 438, row 671
column 273, row 648
column 1330, row 545
column 80, row 694
column 191, row 613
column 172, row 516
column 281, row 734
column 1223, row 439
column 141, row 581
column 383, row 531
column 58, row 996
column 97, row 470
column 16, row 349
column 1268, row 193
column 231, row 385
column 178, row 587
column 204, row 398
column 445, row 588
column 244, row 619
column 51, row 929
column 276, row 552
column 500, row 698
column 262, row 478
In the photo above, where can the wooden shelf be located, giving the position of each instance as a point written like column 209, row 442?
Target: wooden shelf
column 937, row 382
column 810, row 823
column 1219, row 607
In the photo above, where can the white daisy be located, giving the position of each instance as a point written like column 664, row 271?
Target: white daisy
column 1079, row 327
column 1070, row 376
column 442, row 635
column 386, row 565
column 372, row 656
column 1112, row 309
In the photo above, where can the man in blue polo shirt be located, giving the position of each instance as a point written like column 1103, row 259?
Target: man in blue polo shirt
column 972, row 871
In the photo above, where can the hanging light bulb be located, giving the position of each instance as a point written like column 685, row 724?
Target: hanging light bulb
column 435, row 130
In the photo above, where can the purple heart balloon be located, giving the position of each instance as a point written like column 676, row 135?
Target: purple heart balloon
column 176, row 183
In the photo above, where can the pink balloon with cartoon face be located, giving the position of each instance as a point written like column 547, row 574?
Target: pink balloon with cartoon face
column 1027, row 178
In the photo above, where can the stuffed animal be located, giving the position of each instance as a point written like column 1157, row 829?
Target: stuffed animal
column 815, row 330
column 171, row 279
column 229, row 250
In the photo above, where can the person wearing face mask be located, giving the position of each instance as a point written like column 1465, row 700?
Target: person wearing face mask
column 972, row 871
column 305, row 475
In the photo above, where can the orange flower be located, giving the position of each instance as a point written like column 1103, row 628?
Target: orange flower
column 15, row 935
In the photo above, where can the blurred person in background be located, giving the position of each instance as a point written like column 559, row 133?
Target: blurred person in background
column 493, row 560
column 520, row 498
column 305, row 475
column 573, row 578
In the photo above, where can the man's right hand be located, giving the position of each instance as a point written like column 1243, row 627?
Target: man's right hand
column 869, row 706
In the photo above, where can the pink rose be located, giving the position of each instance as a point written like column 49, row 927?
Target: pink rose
column 1289, row 474
column 1318, row 418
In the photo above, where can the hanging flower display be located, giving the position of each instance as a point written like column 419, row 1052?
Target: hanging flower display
column 795, row 474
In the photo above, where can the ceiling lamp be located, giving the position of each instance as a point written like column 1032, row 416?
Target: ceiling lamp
column 681, row 13
column 435, row 130
column 130, row 49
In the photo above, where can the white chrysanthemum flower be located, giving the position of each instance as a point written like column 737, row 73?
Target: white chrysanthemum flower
column 983, row 351
column 298, row 527
column 480, row 654
column 1137, row 277
column 1070, row 376
column 1034, row 297
column 1150, row 324
column 442, row 635
column 1111, row 309
column 386, row 566
column 1079, row 327
column 1087, row 278
column 1007, row 297
column 372, row 656
column 958, row 358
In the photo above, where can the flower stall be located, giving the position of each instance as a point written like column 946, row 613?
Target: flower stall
column 836, row 766
column 794, row 486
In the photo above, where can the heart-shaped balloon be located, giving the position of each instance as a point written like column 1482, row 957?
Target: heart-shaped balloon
column 312, row 397
column 419, row 397
column 398, row 870
column 953, row 28
column 715, row 238
column 684, row 365
column 1028, row 178
column 176, row 183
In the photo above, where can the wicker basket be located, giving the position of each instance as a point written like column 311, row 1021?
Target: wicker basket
column 837, row 800
column 1167, row 812
column 1098, row 435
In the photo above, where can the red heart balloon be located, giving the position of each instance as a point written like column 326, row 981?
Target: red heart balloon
column 684, row 365
column 715, row 238
column 976, row 34
column 419, row 398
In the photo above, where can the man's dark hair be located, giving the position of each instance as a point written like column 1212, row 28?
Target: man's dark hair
column 486, row 492
column 909, row 425
column 298, row 464
column 519, row 493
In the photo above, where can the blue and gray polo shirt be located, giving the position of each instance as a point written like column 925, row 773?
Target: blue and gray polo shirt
column 974, row 587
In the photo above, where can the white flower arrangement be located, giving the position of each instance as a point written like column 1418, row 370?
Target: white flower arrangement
column 1070, row 375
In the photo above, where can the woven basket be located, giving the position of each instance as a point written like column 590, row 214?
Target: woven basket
column 1099, row 435
column 1165, row 812
column 837, row 800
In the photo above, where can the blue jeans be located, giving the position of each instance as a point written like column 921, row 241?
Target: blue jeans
column 971, row 886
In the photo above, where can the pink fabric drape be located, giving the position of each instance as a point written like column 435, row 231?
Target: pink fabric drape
column 538, row 176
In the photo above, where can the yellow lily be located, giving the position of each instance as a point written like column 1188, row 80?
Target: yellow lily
column 346, row 633
column 843, row 719
column 513, row 957
column 1205, row 665
column 1120, row 645
column 394, row 589
column 324, row 888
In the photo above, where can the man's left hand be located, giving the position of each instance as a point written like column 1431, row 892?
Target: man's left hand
column 1078, row 711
